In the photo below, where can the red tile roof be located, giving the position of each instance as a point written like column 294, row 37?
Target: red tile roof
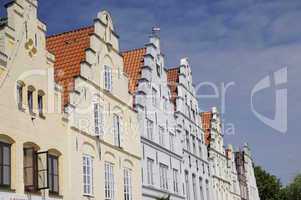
column 206, row 118
column 133, row 62
column 173, row 80
column 69, row 50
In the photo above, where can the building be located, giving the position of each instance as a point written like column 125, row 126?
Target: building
column 250, row 175
column 103, row 140
column 232, row 171
column 162, row 164
column 196, row 166
column 221, row 182
column 234, row 177
column 33, row 138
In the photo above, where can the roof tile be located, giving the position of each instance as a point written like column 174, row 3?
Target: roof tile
column 69, row 50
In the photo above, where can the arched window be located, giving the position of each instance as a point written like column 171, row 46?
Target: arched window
column 108, row 78
column 19, row 94
column 30, row 91
column 5, row 164
column 53, row 171
column 118, row 130
column 40, row 102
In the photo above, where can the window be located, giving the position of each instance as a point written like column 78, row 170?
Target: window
column 187, row 185
column 109, row 182
column 171, row 142
column 150, row 129
column 154, row 97
column 40, row 104
column 88, row 174
column 194, row 187
column 108, row 78
column 117, row 128
column 201, row 189
column 187, row 141
column 53, row 174
column 5, row 164
column 150, row 171
column 163, row 176
column 200, row 149
column 175, row 180
column 30, row 100
column 30, row 170
column 207, row 190
column 127, row 184
column 20, row 95
column 165, row 104
column 98, row 119
column 193, row 145
column 161, row 136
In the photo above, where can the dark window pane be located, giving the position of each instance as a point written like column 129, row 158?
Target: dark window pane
column 6, row 175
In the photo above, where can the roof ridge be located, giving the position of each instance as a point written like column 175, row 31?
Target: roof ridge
column 71, row 31
column 135, row 49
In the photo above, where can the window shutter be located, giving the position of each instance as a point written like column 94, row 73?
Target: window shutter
column 42, row 170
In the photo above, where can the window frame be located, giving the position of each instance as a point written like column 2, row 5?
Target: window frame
column 150, row 171
column 128, row 187
column 108, row 80
column 163, row 171
column 150, row 129
column 88, row 184
column 34, row 170
column 51, row 158
column 2, row 145
column 109, row 188
column 20, row 88
column 30, row 100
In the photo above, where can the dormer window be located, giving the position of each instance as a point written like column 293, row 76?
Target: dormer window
column 108, row 78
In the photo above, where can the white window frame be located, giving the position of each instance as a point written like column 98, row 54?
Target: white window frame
column 161, row 136
column 171, row 142
column 118, row 130
column 88, row 175
column 154, row 97
column 163, row 171
column 128, row 193
column 109, row 181
column 187, row 185
column 150, row 171
column 150, row 129
column 175, row 174
column 194, row 191
column 98, row 118
column 108, row 78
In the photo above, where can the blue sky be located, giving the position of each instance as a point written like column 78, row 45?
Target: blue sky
column 226, row 41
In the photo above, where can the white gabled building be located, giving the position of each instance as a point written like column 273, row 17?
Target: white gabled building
column 196, row 166
column 235, row 187
column 221, row 184
column 161, row 158
column 232, row 171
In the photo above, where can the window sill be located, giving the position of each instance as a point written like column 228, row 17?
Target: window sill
column 88, row 195
column 7, row 189
column 54, row 195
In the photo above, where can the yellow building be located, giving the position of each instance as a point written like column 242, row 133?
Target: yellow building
column 103, row 137
column 32, row 135
column 67, row 127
